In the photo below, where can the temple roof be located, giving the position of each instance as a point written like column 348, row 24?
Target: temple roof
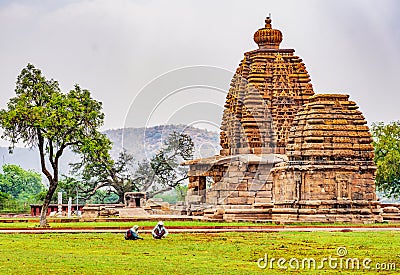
column 269, row 87
column 330, row 128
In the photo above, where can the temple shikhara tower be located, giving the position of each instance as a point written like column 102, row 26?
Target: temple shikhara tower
column 288, row 154
column 270, row 86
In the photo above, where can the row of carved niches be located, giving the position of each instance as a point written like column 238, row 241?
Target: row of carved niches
column 330, row 128
column 267, row 86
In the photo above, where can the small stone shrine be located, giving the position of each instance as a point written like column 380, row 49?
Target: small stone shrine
column 287, row 154
column 135, row 199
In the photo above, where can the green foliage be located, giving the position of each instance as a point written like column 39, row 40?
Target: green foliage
column 19, row 183
column 387, row 157
column 103, row 177
column 181, row 191
column 176, row 194
column 164, row 172
column 87, row 191
column 104, row 196
column 14, row 206
column 39, row 197
column 169, row 197
column 4, row 197
column 18, row 189
column 67, row 186
column 42, row 116
column 10, row 205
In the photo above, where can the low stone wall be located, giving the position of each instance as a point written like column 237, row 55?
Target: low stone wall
column 391, row 212
column 100, row 210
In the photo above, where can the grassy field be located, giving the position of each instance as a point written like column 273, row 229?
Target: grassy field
column 222, row 253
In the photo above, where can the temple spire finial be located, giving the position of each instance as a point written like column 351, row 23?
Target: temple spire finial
column 267, row 37
column 268, row 21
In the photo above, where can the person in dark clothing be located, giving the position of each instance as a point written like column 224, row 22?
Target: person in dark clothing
column 132, row 234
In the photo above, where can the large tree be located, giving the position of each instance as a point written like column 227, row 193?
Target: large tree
column 163, row 172
column 159, row 174
column 103, row 175
column 43, row 117
column 387, row 157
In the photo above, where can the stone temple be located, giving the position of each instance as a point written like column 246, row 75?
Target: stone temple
column 288, row 154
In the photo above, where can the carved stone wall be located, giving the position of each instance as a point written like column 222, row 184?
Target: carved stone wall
column 232, row 180
column 323, row 183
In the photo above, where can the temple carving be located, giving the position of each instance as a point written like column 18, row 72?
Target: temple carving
column 270, row 86
column 288, row 154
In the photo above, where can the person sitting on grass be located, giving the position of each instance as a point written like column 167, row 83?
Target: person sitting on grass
column 159, row 231
column 132, row 234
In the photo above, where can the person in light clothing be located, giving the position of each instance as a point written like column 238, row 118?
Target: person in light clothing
column 159, row 231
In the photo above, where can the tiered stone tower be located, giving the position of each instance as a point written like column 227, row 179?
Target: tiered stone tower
column 269, row 88
column 288, row 155
column 330, row 172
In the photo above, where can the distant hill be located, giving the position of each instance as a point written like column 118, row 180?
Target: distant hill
column 141, row 142
column 145, row 142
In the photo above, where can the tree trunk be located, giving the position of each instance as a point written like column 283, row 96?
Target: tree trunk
column 47, row 200
column 120, row 194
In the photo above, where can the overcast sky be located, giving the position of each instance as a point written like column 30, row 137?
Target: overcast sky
column 115, row 48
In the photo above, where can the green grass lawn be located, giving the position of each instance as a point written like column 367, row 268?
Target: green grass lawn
column 222, row 253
